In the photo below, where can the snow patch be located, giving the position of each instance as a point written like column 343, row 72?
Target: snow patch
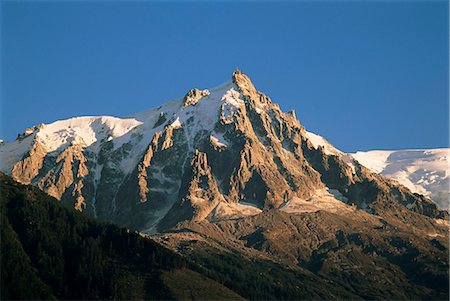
column 317, row 141
column 374, row 160
column 218, row 142
column 176, row 124
column 231, row 103
column 84, row 131
column 12, row 152
column 225, row 211
column 323, row 199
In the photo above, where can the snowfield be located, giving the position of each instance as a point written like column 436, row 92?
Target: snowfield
column 422, row 171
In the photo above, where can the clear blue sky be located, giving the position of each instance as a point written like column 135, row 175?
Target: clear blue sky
column 366, row 75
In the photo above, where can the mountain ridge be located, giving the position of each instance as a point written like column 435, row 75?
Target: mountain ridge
column 231, row 139
column 423, row 171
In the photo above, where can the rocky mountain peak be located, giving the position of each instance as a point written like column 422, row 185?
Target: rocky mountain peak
column 209, row 150
column 291, row 114
column 30, row 131
column 245, row 86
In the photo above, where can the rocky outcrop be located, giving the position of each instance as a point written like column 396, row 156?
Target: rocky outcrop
column 199, row 193
column 30, row 131
column 194, row 164
column 28, row 168
column 257, row 179
column 246, row 87
column 150, row 190
column 144, row 164
column 77, row 194
column 168, row 138
column 194, row 96
column 64, row 181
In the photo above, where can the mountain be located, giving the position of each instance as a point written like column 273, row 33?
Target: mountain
column 214, row 154
column 51, row 252
column 240, row 189
column 422, row 171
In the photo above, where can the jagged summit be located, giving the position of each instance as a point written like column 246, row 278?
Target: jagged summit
column 224, row 152
column 242, row 81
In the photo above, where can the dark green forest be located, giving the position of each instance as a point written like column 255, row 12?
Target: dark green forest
column 49, row 251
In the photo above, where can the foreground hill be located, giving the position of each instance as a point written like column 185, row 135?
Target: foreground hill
column 392, row 256
column 52, row 252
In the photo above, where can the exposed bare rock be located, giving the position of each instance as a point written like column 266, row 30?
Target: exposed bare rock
column 194, row 96
column 28, row 168
column 67, row 177
column 245, row 86
column 142, row 167
column 162, row 180
column 80, row 203
column 199, row 193
column 267, row 171
column 216, row 144
column 203, row 193
column 168, row 138
column 257, row 179
column 291, row 114
column 30, row 131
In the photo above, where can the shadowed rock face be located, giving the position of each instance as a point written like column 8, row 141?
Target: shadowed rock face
column 178, row 162
column 369, row 256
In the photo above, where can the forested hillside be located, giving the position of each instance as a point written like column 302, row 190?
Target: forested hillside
column 49, row 251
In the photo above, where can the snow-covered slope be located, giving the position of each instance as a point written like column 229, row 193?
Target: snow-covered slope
column 318, row 140
column 426, row 171
column 422, row 171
